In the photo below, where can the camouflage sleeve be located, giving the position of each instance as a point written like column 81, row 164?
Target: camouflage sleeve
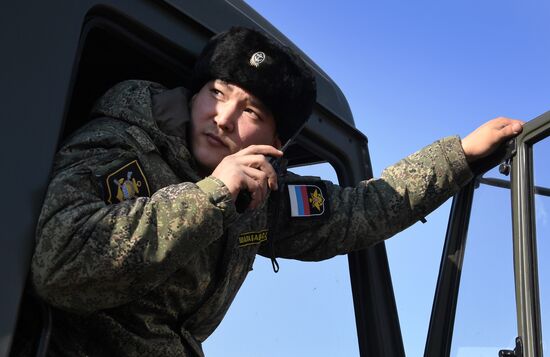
column 91, row 255
column 357, row 217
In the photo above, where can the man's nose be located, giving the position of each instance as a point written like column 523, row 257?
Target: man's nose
column 226, row 116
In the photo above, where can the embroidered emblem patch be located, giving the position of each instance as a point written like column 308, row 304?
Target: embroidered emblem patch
column 257, row 58
column 125, row 183
column 250, row 238
column 306, row 200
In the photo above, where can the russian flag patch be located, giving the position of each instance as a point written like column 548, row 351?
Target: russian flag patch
column 306, row 200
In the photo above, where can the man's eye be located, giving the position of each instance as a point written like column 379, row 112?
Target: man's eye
column 216, row 92
column 253, row 113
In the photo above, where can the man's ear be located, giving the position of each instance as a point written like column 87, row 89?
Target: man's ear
column 192, row 100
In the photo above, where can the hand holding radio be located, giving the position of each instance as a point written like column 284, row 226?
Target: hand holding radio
column 249, row 172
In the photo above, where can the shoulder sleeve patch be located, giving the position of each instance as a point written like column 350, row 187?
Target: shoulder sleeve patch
column 308, row 200
column 124, row 182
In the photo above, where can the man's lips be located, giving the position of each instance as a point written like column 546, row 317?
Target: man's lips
column 215, row 140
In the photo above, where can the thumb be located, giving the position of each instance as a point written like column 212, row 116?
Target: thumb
column 512, row 129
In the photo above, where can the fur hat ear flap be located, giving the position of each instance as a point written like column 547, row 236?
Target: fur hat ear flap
column 273, row 73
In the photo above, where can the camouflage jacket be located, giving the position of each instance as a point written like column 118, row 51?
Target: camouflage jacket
column 140, row 256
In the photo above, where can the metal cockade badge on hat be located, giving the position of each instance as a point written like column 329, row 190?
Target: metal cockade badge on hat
column 257, row 58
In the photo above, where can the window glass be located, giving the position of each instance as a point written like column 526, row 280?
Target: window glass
column 541, row 171
column 485, row 320
column 306, row 309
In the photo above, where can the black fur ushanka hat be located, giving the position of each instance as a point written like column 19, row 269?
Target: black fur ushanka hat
column 273, row 73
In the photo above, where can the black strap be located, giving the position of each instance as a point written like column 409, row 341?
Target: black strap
column 275, row 202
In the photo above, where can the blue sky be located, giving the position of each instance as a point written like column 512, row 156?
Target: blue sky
column 412, row 72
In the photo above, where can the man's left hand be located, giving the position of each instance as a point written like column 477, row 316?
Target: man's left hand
column 488, row 137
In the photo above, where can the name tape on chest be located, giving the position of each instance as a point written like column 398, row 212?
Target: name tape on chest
column 125, row 182
column 307, row 200
column 250, row 238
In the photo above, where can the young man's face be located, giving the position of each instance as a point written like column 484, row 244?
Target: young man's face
column 225, row 119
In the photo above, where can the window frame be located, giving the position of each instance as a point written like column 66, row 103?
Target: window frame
column 517, row 153
column 524, row 232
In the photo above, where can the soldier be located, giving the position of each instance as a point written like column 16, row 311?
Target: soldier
column 140, row 249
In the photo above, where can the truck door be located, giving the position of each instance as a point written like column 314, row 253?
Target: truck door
column 530, row 195
column 489, row 298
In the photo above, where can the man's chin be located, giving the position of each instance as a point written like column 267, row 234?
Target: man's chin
column 206, row 167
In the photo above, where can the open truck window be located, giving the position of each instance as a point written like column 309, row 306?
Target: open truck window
column 113, row 48
column 101, row 43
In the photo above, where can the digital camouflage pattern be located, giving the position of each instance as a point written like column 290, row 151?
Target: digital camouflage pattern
column 154, row 276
